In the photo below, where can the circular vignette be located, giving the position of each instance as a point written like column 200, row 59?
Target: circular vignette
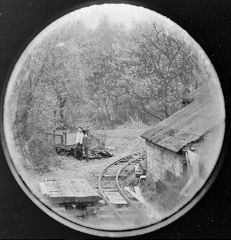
column 83, row 227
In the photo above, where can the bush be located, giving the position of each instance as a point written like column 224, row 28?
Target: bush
column 164, row 195
column 98, row 140
column 42, row 154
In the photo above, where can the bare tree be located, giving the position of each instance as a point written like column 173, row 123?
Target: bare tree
column 166, row 67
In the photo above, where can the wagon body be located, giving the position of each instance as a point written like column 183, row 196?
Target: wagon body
column 64, row 141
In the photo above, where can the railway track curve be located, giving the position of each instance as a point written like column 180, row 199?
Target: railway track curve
column 110, row 189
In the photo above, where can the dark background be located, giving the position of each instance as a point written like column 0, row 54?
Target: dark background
column 209, row 23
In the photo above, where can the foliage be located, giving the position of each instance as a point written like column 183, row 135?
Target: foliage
column 98, row 140
column 41, row 154
column 104, row 77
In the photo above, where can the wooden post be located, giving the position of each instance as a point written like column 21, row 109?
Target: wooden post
column 54, row 135
column 65, row 138
column 61, row 139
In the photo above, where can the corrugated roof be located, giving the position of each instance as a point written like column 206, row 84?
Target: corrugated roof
column 187, row 124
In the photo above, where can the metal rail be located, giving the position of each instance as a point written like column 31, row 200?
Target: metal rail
column 120, row 188
column 129, row 161
column 123, row 192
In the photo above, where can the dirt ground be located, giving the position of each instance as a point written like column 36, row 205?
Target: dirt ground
column 120, row 142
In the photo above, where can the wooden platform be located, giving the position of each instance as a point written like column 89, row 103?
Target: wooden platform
column 115, row 198
column 76, row 190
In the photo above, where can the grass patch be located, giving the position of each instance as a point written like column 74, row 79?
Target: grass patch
column 133, row 123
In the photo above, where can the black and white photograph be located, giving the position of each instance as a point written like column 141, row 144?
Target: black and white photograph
column 113, row 120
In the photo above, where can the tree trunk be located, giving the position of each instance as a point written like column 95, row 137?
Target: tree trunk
column 62, row 102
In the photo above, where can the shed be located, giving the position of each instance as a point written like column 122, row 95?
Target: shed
column 165, row 141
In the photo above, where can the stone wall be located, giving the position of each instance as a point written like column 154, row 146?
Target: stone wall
column 159, row 160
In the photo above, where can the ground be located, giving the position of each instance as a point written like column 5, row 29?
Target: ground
column 121, row 142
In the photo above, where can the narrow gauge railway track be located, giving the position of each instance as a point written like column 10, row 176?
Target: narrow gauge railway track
column 108, row 183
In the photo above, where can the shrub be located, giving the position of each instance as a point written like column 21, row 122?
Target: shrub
column 42, row 154
column 98, row 140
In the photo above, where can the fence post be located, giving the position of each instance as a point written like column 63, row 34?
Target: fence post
column 54, row 135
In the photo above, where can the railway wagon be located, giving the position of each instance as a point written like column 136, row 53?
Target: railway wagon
column 64, row 141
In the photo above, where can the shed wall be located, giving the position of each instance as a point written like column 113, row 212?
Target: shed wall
column 159, row 160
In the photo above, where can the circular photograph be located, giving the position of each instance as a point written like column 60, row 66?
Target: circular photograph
column 113, row 120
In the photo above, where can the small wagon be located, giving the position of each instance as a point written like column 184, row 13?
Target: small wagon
column 64, row 141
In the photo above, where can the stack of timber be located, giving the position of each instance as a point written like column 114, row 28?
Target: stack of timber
column 76, row 190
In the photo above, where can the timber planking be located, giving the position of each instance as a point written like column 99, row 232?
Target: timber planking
column 70, row 190
column 188, row 124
